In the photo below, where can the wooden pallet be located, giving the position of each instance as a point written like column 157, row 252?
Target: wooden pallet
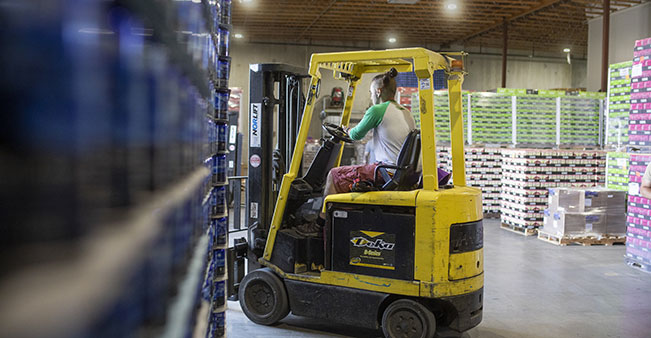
column 492, row 215
column 519, row 230
column 581, row 240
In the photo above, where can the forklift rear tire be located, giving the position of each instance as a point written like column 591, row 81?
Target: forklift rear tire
column 406, row 318
column 263, row 297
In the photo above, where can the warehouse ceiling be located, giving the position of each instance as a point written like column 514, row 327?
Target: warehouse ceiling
column 535, row 25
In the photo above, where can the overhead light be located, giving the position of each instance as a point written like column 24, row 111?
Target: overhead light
column 451, row 6
column 392, row 40
column 246, row 1
column 238, row 36
column 566, row 50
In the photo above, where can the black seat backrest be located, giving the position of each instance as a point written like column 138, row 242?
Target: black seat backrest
column 323, row 161
column 406, row 175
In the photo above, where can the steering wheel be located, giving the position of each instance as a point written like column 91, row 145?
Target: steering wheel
column 337, row 132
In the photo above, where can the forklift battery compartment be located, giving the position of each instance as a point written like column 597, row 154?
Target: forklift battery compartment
column 372, row 240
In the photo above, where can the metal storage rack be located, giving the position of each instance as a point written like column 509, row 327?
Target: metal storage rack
column 113, row 184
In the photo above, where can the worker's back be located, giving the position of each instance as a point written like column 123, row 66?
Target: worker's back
column 390, row 134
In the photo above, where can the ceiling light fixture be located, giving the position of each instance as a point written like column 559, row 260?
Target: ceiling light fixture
column 451, row 6
column 238, row 36
column 392, row 40
column 566, row 50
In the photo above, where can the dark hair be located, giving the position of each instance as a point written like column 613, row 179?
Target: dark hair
column 387, row 83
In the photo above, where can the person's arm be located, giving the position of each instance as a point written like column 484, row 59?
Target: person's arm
column 645, row 188
column 371, row 119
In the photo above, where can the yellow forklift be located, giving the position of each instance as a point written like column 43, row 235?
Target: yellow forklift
column 406, row 257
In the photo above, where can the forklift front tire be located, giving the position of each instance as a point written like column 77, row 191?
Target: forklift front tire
column 263, row 297
column 405, row 318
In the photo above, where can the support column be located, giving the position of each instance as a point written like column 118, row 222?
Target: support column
column 504, row 49
column 605, row 37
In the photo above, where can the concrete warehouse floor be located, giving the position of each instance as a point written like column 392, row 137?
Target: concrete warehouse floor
column 532, row 289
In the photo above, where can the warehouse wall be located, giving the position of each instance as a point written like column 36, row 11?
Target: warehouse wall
column 626, row 26
column 484, row 70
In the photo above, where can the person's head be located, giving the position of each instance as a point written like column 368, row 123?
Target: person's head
column 383, row 86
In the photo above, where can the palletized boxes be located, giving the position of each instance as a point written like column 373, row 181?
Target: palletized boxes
column 638, row 236
column 536, row 119
column 442, row 115
column 617, row 171
column 638, row 220
column 576, row 212
column 491, row 118
column 580, row 120
column 528, row 173
column 619, row 96
column 484, row 171
column 640, row 113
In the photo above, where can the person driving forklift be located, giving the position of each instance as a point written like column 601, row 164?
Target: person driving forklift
column 390, row 122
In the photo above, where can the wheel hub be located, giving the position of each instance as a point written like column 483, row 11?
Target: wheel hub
column 406, row 324
column 260, row 298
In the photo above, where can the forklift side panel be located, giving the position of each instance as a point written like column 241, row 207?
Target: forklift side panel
column 338, row 304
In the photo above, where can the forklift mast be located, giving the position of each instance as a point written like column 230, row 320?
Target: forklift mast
column 276, row 100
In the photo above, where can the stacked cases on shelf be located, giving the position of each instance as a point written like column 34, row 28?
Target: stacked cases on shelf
column 109, row 141
column 528, row 173
column 484, row 171
column 215, row 280
column 640, row 113
column 491, row 118
column 618, row 105
column 617, row 171
column 638, row 220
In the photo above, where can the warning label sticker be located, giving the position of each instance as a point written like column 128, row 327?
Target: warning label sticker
column 372, row 249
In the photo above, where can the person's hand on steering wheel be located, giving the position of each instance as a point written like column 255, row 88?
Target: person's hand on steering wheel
column 337, row 132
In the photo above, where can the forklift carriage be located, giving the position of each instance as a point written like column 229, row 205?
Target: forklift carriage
column 407, row 258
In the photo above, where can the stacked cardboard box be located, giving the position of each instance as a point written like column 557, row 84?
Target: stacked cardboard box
column 582, row 212
column 442, row 115
column 619, row 96
column 638, row 236
column 617, row 171
column 536, row 119
column 443, row 158
column 528, row 173
column 640, row 113
column 491, row 118
column 580, row 120
column 484, row 171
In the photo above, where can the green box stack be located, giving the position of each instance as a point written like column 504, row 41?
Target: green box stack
column 619, row 96
column 580, row 121
column 491, row 118
column 536, row 119
column 617, row 175
column 442, row 116
column 415, row 108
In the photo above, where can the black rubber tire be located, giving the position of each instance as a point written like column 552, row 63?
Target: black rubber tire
column 263, row 297
column 405, row 318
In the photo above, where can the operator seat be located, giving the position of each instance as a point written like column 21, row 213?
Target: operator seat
column 407, row 173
